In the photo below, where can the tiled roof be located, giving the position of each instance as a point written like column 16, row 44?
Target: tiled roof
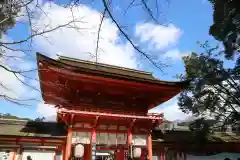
column 31, row 128
column 181, row 136
column 76, row 65
column 105, row 68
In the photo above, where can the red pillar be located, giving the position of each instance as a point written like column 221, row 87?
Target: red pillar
column 87, row 152
column 15, row 153
column 129, row 140
column 163, row 155
column 68, row 144
column 93, row 136
column 93, row 142
column 149, row 146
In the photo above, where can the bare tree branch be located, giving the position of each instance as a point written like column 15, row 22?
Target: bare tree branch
column 130, row 4
column 98, row 33
column 37, row 34
column 73, row 24
column 159, row 66
column 149, row 11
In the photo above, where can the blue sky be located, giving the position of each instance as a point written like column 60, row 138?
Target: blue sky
column 190, row 20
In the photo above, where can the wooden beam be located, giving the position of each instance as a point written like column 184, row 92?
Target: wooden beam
column 103, row 98
column 86, row 113
column 131, row 124
column 96, row 122
column 93, row 144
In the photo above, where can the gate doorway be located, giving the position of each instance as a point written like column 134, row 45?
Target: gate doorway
column 111, row 154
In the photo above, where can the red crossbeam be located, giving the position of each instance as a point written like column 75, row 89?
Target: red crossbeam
column 152, row 117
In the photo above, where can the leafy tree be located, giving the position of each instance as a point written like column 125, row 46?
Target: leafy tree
column 226, row 26
column 200, row 129
column 8, row 12
column 214, row 91
column 40, row 119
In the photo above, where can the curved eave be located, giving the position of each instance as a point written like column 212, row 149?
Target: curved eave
column 150, row 86
column 74, row 69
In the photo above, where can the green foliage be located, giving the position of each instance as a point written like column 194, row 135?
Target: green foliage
column 40, row 119
column 7, row 18
column 7, row 24
column 226, row 19
column 200, row 129
column 214, row 91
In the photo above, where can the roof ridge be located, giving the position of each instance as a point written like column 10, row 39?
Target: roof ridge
column 103, row 65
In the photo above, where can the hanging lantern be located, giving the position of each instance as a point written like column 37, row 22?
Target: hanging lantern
column 79, row 151
column 137, row 152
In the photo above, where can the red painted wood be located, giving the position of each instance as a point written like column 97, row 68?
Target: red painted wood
column 129, row 140
column 162, row 155
column 32, row 140
column 68, row 144
column 14, row 155
column 106, row 131
column 149, row 146
column 143, row 154
column 119, row 154
column 102, row 80
column 87, row 151
column 62, row 110
column 94, row 135
column 52, row 74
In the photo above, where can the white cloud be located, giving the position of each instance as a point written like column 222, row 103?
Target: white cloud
column 47, row 111
column 82, row 43
column 175, row 54
column 171, row 111
column 158, row 37
column 23, row 15
column 79, row 43
column 10, row 86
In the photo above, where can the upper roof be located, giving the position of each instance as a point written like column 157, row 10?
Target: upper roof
column 91, row 86
column 24, row 128
column 105, row 67
column 77, row 65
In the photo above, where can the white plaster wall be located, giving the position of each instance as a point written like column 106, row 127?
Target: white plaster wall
column 38, row 155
